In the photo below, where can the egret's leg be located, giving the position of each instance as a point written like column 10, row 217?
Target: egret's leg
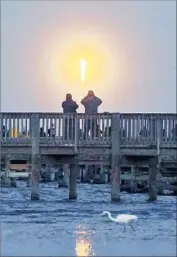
column 124, row 228
column 131, row 226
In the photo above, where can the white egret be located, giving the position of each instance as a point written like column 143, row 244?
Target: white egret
column 122, row 218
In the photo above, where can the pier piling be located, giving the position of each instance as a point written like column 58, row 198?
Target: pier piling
column 73, row 181
column 66, row 175
column 35, row 195
column 115, row 138
column 152, row 180
column 29, row 180
column 133, row 186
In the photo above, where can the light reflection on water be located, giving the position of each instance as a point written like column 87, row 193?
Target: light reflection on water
column 55, row 226
column 83, row 242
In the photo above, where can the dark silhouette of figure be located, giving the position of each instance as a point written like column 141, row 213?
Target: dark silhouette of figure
column 5, row 132
column 163, row 132
column 42, row 133
column 51, row 131
column 107, row 132
column 174, row 131
column 69, row 107
column 91, row 104
column 144, row 132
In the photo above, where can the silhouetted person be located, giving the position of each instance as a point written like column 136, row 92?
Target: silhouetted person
column 91, row 104
column 107, row 132
column 144, row 132
column 154, row 128
column 42, row 133
column 163, row 133
column 51, row 131
column 174, row 131
column 23, row 132
column 69, row 107
column 5, row 132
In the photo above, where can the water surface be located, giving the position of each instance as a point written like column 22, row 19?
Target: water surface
column 56, row 226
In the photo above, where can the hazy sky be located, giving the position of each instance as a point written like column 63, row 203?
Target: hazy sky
column 132, row 42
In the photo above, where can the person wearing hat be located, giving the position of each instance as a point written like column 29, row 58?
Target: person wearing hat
column 91, row 104
column 69, row 106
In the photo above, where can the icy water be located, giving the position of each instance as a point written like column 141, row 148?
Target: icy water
column 55, row 226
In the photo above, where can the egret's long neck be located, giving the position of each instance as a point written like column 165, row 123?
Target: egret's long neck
column 109, row 215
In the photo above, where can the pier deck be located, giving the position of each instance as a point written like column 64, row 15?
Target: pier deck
column 141, row 135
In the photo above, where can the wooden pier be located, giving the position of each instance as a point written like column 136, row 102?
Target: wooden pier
column 114, row 140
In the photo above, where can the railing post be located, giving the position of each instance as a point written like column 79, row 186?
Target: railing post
column 158, row 143
column 1, row 126
column 76, row 133
column 35, row 157
column 115, row 138
column 1, row 138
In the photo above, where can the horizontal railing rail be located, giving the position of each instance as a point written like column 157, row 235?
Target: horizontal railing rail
column 69, row 129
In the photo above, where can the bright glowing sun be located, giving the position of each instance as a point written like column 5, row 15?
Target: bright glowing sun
column 83, row 66
column 79, row 61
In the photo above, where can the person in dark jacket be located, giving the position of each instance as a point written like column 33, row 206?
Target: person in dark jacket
column 42, row 132
column 5, row 132
column 69, row 107
column 51, row 131
column 91, row 104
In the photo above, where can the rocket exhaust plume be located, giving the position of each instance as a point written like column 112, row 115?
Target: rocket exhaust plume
column 83, row 65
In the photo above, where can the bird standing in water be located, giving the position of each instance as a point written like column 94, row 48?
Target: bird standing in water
column 125, row 219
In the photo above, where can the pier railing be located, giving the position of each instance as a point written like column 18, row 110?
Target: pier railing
column 57, row 128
